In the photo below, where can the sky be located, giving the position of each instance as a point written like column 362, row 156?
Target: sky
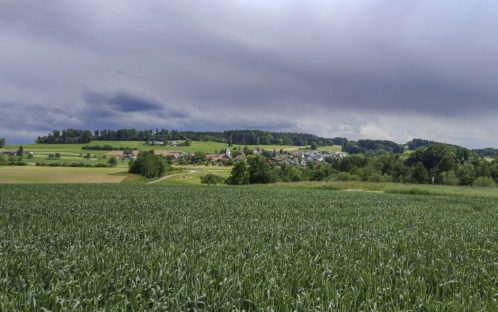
column 374, row 69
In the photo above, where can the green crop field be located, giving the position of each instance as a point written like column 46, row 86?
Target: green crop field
column 32, row 174
column 206, row 147
column 187, row 248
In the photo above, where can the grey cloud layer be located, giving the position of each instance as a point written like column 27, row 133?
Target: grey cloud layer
column 337, row 68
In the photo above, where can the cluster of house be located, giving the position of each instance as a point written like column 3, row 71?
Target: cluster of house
column 294, row 158
column 302, row 158
column 161, row 143
column 14, row 153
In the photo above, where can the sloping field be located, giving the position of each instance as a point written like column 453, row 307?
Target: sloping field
column 187, row 248
column 206, row 147
column 32, row 174
column 76, row 149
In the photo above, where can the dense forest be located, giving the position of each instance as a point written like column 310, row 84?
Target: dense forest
column 486, row 152
column 372, row 147
column 483, row 152
column 416, row 143
column 242, row 137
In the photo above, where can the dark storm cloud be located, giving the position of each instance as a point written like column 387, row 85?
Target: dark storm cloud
column 123, row 107
column 122, row 102
column 388, row 69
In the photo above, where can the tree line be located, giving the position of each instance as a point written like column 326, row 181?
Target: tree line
column 372, row 147
column 483, row 152
column 239, row 137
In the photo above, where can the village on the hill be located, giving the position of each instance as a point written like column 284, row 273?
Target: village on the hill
column 228, row 157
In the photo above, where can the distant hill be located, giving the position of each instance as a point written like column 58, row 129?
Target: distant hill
column 416, row 143
column 245, row 137
column 241, row 137
column 486, row 152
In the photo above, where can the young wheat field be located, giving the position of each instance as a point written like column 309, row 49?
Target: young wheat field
column 181, row 248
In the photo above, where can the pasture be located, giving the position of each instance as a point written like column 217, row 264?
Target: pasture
column 157, row 247
column 32, row 174
column 206, row 147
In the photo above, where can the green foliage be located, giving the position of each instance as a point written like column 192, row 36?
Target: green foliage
column 148, row 164
column 344, row 176
column 260, row 170
column 450, row 178
column 199, row 158
column 12, row 161
column 113, row 161
column 420, row 174
column 239, row 174
column 486, row 152
column 184, row 248
column 212, row 179
column 2, row 142
column 20, row 151
column 314, row 146
column 108, row 147
column 484, row 182
column 241, row 137
column 67, row 136
column 372, row 147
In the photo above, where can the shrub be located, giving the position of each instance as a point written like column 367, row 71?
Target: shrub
column 377, row 177
column 484, row 182
column 113, row 161
column 450, row 178
column 345, row 176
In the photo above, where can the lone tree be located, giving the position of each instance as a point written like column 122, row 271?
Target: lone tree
column 148, row 164
column 2, row 142
column 20, row 151
column 113, row 161
column 239, row 174
column 314, row 146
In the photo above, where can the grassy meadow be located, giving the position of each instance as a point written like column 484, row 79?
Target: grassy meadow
column 34, row 174
column 188, row 248
column 206, row 147
column 195, row 178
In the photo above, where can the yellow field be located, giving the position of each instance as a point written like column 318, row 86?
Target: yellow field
column 32, row 174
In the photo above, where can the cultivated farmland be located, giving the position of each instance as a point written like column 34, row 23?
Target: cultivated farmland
column 178, row 247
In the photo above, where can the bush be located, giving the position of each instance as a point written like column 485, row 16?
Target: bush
column 377, row 177
column 345, row 176
column 484, row 182
column 113, row 161
column 450, row 178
